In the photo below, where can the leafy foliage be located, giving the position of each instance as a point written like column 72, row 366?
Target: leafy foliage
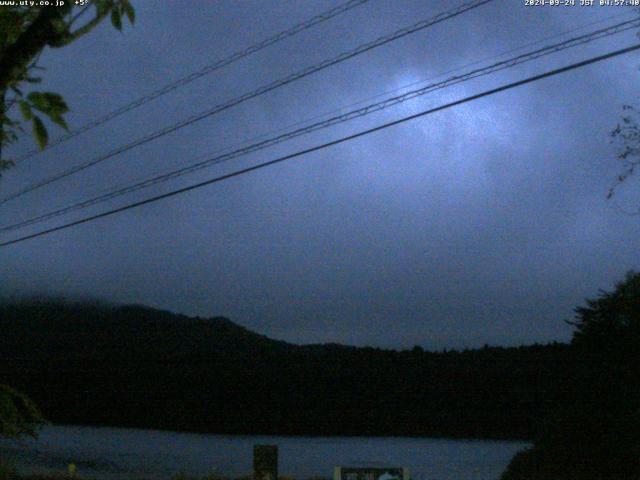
column 598, row 435
column 25, row 31
column 627, row 136
column 20, row 416
column 611, row 321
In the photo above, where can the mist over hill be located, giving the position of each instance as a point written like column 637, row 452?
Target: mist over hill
column 93, row 363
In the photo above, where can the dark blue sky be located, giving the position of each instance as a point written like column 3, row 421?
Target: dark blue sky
column 485, row 223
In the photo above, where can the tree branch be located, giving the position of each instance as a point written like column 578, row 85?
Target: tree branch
column 73, row 36
column 79, row 14
column 40, row 33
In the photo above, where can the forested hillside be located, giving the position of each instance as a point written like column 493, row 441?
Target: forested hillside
column 134, row 366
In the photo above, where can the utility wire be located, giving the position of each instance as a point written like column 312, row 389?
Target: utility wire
column 421, row 25
column 300, row 27
column 342, row 108
column 347, row 138
column 502, row 65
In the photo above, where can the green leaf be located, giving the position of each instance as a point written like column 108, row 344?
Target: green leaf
column 38, row 101
column 128, row 9
column 116, row 19
column 103, row 7
column 25, row 108
column 60, row 121
column 55, row 102
column 51, row 104
column 47, row 102
column 40, row 132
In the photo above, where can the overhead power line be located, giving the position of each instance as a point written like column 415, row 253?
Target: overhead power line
column 316, row 148
column 421, row 25
column 360, row 112
column 300, row 27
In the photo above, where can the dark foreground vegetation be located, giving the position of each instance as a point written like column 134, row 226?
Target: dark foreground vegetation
column 597, row 435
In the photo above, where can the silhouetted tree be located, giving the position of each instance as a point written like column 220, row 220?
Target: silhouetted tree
column 611, row 322
column 595, row 433
column 26, row 30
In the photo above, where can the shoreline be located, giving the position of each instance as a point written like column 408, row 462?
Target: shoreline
column 461, row 438
column 107, row 453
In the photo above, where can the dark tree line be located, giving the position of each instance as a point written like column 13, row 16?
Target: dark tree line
column 138, row 367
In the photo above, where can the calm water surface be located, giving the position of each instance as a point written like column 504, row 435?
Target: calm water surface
column 114, row 453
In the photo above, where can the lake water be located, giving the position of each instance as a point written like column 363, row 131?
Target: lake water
column 114, row 453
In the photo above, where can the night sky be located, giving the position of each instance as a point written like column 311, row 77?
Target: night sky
column 484, row 223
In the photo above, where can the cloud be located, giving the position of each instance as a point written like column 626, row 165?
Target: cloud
column 485, row 223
